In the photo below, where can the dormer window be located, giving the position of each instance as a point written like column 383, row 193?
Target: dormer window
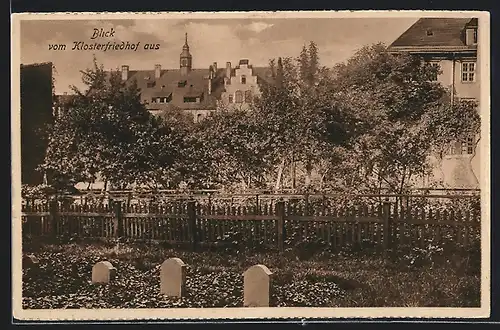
column 430, row 33
column 243, row 79
column 471, row 36
column 182, row 83
column 151, row 84
column 188, row 99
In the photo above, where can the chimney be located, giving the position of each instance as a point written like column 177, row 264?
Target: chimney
column 209, row 86
column 228, row 69
column 470, row 36
column 124, row 72
column 157, row 71
column 215, row 67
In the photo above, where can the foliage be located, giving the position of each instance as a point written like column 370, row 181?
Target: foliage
column 401, row 118
column 62, row 279
column 107, row 131
column 367, row 125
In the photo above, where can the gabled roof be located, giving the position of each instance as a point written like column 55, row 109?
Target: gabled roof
column 167, row 85
column 196, row 85
column 436, row 33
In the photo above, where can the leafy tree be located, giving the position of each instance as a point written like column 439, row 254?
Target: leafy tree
column 400, row 117
column 107, row 131
column 297, row 113
column 235, row 147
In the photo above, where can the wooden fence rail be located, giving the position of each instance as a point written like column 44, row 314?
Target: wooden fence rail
column 274, row 225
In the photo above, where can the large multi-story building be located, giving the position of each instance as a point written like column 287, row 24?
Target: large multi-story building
column 451, row 43
column 195, row 91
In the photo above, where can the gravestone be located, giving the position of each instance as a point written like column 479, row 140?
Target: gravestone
column 103, row 272
column 256, row 286
column 173, row 278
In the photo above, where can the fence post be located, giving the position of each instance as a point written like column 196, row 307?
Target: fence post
column 280, row 212
column 118, row 221
column 191, row 212
column 386, row 213
column 54, row 217
column 306, row 207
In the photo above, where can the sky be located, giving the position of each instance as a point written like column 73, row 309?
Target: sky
column 210, row 40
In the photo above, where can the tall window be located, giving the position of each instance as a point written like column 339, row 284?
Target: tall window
column 468, row 71
column 434, row 75
column 230, row 98
column 199, row 117
column 468, row 146
column 239, row 97
column 243, row 79
column 248, row 96
column 475, row 36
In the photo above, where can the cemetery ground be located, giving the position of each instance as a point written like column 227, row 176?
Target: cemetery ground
column 407, row 278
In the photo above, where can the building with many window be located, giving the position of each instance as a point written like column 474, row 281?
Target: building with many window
column 452, row 44
column 196, row 91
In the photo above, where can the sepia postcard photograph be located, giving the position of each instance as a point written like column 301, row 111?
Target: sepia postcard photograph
column 250, row 165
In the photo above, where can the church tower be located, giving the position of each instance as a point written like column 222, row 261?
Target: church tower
column 186, row 59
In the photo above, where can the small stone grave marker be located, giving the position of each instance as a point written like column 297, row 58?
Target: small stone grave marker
column 173, row 278
column 256, row 286
column 103, row 272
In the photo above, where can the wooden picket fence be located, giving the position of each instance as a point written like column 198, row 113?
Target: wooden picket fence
column 275, row 225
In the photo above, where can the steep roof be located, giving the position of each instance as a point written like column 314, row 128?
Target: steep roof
column 445, row 33
column 172, row 84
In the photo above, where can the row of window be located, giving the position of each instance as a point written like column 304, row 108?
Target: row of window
column 468, row 72
column 464, row 147
column 160, row 100
column 238, row 97
column 167, row 99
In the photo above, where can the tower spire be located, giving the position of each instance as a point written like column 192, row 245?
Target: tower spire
column 185, row 58
column 186, row 46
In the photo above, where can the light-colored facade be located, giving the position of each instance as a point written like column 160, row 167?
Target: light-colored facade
column 450, row 43
column 241, row 86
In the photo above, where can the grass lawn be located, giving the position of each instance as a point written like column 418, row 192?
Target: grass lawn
column 215, row 279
